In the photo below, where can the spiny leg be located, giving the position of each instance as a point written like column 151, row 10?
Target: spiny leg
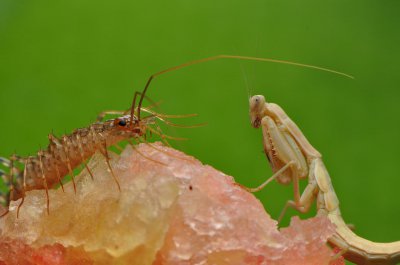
column 58, row 175
column 5, row 161
column 10, row 182
column 143, row 155
column 71, row 172
column 54, row 141
column 164, row 136
column 103, row 144
column 40, row 155
column 78, row 139
column 27, row 161
column 105, row 153
column 3, row 196
column 142, row 140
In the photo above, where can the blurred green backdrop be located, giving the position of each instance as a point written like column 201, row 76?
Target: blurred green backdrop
column 62, row 62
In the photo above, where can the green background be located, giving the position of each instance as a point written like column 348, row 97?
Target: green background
column 62, row 62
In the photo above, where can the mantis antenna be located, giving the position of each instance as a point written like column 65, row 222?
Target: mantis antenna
column 248, row 58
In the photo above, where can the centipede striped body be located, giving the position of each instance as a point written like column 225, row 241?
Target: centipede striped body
column 48, row 168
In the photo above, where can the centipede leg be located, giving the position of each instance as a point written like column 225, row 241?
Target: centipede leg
column 142, row 140
column 27, row 161
column 40, row 155
column 162, row 136
column 59, row 177
column 55, row 143
column 10, row 184
column 5, row 161
column 105, row 153
column 143, row 155
column 71, row 172
column 4, row 197
column 78, row 139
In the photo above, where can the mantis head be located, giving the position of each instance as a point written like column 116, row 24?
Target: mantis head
column 257, row 106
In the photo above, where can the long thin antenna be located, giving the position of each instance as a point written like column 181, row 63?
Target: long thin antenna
column 246, row 81
column 229, row 57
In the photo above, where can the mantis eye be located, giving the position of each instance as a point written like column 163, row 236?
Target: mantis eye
column 122, row 122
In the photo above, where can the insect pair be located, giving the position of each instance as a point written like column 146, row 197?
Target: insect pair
column 63, row 155
column 290, row 155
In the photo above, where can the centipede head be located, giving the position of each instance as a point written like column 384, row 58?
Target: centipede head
column 133, row 128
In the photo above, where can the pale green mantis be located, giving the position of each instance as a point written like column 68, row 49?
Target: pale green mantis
column 293, row 158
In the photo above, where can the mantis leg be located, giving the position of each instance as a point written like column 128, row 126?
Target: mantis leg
column 274, row 176
column 307, row 197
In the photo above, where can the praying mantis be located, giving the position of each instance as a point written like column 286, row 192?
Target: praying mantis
column 292, row 158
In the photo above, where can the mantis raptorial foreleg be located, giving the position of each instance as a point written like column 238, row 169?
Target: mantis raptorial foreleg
column 293, row 158
column 284, row 155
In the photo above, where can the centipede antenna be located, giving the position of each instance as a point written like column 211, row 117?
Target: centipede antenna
column 154, row 105
column 109, row 165
column 226, row 57
column 132, row 110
